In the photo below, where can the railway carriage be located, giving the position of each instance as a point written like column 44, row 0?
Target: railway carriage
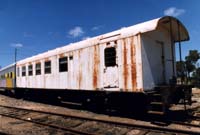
column 133, row 66
column 7, row 77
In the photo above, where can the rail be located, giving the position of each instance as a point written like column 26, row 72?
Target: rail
column 110, row 122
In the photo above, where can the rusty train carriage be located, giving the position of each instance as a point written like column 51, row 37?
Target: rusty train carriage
column 135, row 59
column 87, row 68
column 142, row 60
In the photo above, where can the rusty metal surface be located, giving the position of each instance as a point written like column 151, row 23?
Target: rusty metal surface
column 87, row 70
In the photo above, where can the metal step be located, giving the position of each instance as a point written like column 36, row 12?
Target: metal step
column 156, row 103
column 156, row 112
column 157, row 94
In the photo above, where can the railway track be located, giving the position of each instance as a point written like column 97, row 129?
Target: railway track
column 85, row 125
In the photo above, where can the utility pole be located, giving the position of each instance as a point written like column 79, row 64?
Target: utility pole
column 180, row 53
column 15, row 79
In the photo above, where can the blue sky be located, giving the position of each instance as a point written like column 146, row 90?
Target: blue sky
column 35, row 26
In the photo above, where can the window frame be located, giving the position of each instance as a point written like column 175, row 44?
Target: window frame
column 18, row 72
column 11, row 74
column 110, row 57
column 63, row 64
column 47, row 68
column 38, row 68
column 30, row 70
column 23, row 71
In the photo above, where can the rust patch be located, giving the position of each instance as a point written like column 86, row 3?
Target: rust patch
column 61, row 55
column 80, row 70
column 125, row 73
column 46, row 59
column 133, row 65
column 37, row 61
column 96, row 65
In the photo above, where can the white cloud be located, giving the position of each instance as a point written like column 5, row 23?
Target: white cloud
column 76, row 32
column 17, row 45
column 96, row 27
column 173, row 11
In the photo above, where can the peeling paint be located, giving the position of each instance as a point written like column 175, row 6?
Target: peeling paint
column 96, row 66
column 125, row 68
column 133, row 65
column 88, row 70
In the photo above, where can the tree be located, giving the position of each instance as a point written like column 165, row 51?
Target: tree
column 193, row 56
column 180, row 68
column 196, row 77
column 191, row 60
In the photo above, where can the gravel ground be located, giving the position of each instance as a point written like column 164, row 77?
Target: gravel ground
column 11, row 126
column 16, row 127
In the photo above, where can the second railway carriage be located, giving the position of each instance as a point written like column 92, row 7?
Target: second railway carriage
column 132, row 62
column 7, row 77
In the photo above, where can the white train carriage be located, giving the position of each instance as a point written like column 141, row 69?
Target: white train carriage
column 131, row 60
column 135, row 58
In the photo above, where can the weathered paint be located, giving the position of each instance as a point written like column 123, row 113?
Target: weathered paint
column 125, row 73
column 96, row 66
column 133, row 65
column 61, row 55
column 9, row 83
column 86, row 69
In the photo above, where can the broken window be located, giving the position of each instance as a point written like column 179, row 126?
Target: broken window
column 24, row 71
column 38, row 69
column 30, row 70
column 63, row 64
column 110, row 57
column 47, row 67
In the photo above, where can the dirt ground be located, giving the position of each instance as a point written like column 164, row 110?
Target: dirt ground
column 10, row 126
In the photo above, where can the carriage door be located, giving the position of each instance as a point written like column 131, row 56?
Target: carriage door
column 111, row 75
column 161, row 63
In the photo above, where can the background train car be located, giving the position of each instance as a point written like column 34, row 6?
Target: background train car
column 7, row 77
column 121, row 67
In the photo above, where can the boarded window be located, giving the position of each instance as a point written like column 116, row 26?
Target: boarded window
column 63, row 64
column 24, row 71
column 30, row 70
column 47, row 67
column 38, row 69
column 110, row 57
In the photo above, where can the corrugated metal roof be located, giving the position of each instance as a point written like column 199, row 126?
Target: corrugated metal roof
column 124, row 32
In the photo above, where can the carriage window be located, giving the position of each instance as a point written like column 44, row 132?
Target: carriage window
column 110, row 57
column 23, row 71
column 38, row 69
column 30, row 70
column 71, row 57
column 11, row 74
column 18, row 71
column 2, row 76
column 63, row 64
column 47, row 67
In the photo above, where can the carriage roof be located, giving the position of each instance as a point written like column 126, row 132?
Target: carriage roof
column 144, row 27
